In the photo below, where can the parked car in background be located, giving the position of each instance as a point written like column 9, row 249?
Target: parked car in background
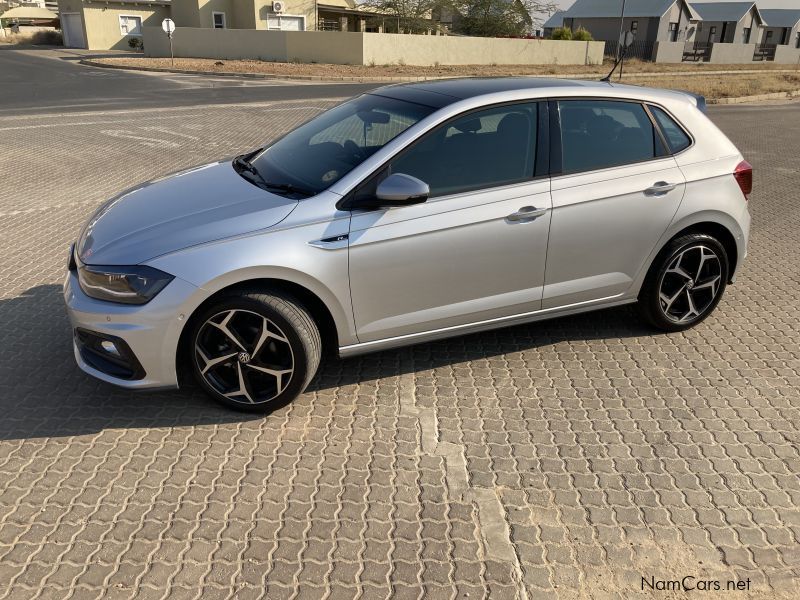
column 409, row 214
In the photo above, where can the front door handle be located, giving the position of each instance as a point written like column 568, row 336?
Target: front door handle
column 660, row 188
column 527, row 213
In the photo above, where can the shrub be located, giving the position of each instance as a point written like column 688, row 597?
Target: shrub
column 561, row 33
column 582, row 35
column 135, row 43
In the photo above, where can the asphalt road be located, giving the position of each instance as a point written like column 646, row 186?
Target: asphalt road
column 564, row 459
column 35, row 80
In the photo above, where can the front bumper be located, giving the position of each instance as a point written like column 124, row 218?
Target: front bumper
column 151, row 331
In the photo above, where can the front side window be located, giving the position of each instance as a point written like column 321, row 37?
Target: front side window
column 219, row 20
column 483, row 149
column 676, row 137
column 597, row 134
column 319, row 153
column 130, row 25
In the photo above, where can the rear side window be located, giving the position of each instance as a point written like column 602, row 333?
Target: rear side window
column 676, row 137
column 479, row 150
column 597, row 134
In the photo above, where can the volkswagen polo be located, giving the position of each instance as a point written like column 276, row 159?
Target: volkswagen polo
column 408, row 214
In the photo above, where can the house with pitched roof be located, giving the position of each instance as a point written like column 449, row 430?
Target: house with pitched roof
column 782, row 26
column 729, row 22
column 647, row 20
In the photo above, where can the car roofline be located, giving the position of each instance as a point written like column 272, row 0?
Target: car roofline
column 430, row 94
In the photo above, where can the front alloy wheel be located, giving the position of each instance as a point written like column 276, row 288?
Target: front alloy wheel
column 255, row 351
column 685, row 283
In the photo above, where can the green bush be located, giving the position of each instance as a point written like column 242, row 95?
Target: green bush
column 582, row 35
column 561, row 33
column 135, row 43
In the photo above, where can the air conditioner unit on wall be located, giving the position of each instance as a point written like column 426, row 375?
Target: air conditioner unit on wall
column 278, row 7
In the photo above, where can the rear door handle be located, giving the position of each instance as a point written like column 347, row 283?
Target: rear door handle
column 659, row 188
column 527, row 213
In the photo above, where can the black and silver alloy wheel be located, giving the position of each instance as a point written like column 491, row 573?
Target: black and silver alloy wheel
column 255, row 351
column 244, row 356
column 685, row 282
column 690, row 284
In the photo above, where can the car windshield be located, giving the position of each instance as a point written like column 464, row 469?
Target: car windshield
column 319, row 153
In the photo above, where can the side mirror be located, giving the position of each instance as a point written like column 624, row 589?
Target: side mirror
column 400, row 189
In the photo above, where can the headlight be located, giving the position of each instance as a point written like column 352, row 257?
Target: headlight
column 128, row 285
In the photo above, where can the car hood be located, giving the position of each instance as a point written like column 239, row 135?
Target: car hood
column 202, row 204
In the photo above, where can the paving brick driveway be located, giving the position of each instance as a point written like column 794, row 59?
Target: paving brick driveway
column 562, row 459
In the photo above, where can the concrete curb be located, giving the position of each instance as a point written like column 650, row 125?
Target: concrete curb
column 92, row 63
column 756, row 98
column 320, row 78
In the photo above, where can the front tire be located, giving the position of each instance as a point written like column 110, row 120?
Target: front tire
column 255, row 351
column 685, row 282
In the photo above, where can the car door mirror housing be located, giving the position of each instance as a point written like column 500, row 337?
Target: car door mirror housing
column 400, row 189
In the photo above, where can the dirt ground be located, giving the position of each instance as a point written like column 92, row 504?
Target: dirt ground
column 699, row 78
column 328, row 70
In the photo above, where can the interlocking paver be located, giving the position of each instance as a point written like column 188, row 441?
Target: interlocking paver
column 596, row 452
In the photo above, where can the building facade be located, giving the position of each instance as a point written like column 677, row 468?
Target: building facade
column 729, row 22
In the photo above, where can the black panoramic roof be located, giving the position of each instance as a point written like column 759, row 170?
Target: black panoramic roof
column 441, row 92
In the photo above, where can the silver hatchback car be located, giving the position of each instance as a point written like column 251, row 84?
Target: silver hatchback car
column 411, row 213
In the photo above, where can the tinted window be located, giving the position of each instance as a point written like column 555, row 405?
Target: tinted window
column 319, row 153
column 596, row 134
column 676, row 137
column 483, row 149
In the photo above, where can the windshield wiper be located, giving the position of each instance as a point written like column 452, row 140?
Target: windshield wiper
column 242, row 165
column 288, row 187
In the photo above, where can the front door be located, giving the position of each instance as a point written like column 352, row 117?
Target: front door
column 476, row 250
column 619, row 190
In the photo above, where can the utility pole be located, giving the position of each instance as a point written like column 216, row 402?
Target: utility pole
column 621, row 27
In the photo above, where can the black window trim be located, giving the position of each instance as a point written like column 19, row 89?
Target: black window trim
column 682, row 127
column 541, row 147
column 557, row 150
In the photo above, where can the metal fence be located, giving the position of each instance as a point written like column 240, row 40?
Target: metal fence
column 697, row 51
column 765, row 52
column 641, row 49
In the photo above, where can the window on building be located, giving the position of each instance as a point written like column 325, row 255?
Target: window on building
column 797, row 43
column 673, row 32
column 634, row 27
column 597, row 134
column 219, row 20
column 129, row 25
column 746, row 35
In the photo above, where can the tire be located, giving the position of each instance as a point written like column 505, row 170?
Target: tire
column 255, row 351
column 686, row 272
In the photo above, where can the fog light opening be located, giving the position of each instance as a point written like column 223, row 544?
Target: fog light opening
column 111, row 348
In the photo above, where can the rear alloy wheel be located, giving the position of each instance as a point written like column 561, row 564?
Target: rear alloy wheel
column 254, row 351
column 685, row 284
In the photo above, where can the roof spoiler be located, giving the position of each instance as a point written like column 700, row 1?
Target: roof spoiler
column 699, row 100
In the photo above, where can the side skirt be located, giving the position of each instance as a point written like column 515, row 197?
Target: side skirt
column 456, row 330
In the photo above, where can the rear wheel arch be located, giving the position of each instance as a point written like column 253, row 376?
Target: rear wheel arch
column 716, row 230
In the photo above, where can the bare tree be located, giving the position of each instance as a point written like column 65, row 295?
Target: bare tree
column 409, row 16
column 500, row 18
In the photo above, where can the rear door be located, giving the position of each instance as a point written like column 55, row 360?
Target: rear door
column 616, row 194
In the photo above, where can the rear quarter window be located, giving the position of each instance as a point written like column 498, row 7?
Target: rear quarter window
column 676, row 137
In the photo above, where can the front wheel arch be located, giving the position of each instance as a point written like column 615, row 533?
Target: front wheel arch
column 319, row 312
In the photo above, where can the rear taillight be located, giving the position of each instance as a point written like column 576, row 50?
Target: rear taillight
column 744, row 177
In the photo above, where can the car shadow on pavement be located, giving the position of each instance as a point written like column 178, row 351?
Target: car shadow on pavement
column 44, row 394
